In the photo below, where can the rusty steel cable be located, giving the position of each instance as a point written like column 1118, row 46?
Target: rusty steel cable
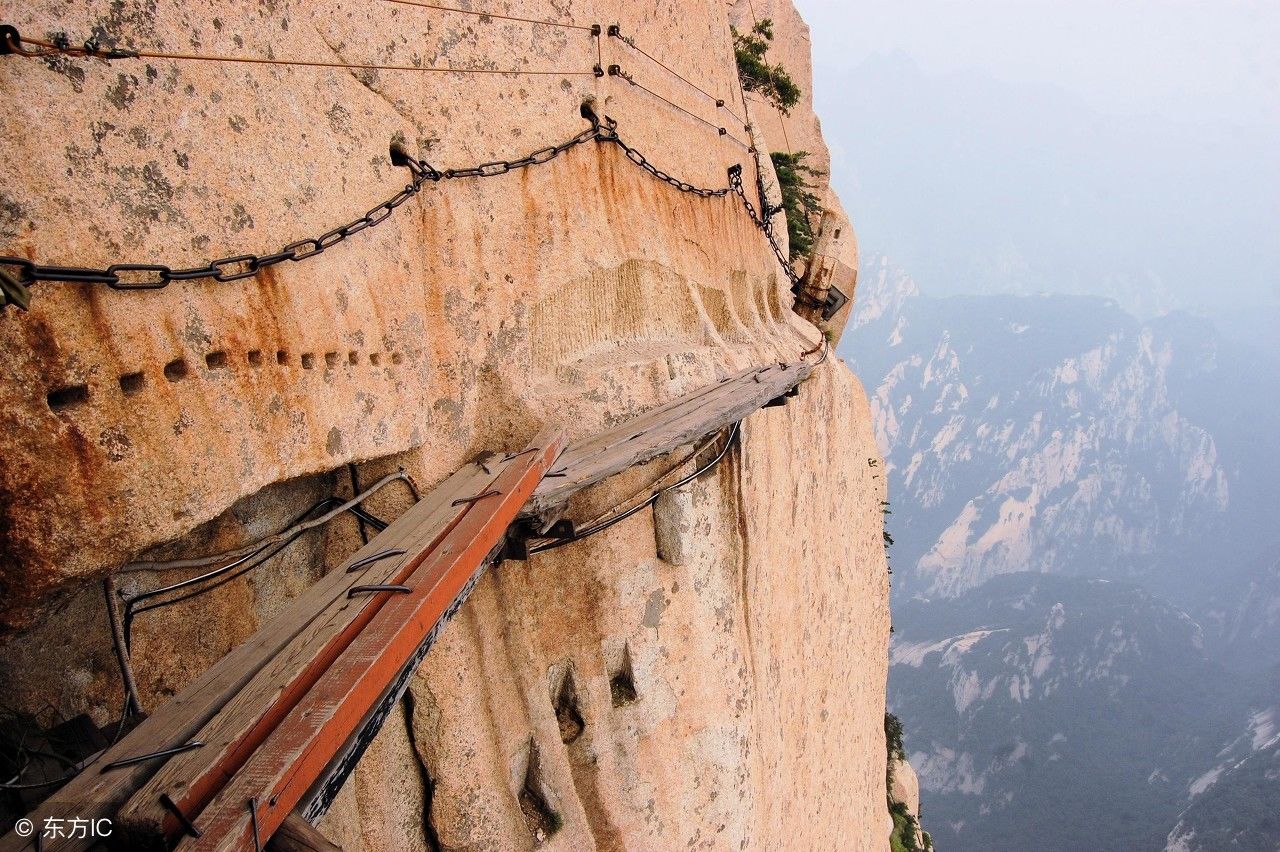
column 207, row 582
column 479, row 14
column 133, row 704
column 782, row 119
column 15, row 784
column 601, row 526
column 214, row 580
column 615, row 32
column 670, row 472
column 249, row 561
column 249, row 549
column 616, row 71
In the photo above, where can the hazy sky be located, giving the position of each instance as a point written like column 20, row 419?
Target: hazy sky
column 1128, row 148
column 1214, row 59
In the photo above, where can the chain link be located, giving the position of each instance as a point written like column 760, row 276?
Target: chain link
column 17, row 274
column 764, row 223
column 607, row 132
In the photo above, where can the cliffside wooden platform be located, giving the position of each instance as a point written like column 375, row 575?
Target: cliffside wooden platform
column 435, row 548
column 662, row 429
column 262, row 741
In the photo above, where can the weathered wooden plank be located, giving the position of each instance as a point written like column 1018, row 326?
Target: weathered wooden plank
column 280, row 773
column 590, row 443
column 190, row 780
column 317, row 801
column 95, row 794
column 578, row 454
column 644, row 438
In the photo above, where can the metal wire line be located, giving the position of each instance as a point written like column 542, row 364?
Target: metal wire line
column 630, row 42
column 15, row 43
column 76, row 768
column 670, row 472
column 650, row 500
column 616, row 71
column 122, row 634
column 490, row 15
column 254, row 547
column 782, row 119
column 217, row 579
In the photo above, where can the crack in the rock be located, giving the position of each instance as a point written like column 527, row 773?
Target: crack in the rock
column 429, row 833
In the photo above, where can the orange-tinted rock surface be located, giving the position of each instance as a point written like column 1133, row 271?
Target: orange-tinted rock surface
column 750, row 632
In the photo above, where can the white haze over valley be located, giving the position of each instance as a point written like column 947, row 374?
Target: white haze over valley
column 1116, row 148
column 1066, row 322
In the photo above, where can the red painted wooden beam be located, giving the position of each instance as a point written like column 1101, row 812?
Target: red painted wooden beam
column 256, row 801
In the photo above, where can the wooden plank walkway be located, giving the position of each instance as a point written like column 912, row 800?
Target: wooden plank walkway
column 283, row 719
column 661, row 430
column 97, row 794
column 278, row 775
column 191, row 779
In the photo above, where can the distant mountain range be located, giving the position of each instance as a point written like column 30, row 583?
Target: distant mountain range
column 1086, row 565
column 1077, row 713
column 1060, row 434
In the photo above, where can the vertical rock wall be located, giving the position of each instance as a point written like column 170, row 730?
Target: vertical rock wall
column 833, row 261
column 720, row 684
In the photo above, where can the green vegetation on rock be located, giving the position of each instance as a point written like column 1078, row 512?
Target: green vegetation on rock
column 905, row 829
column 756, row 74
column 798, row 198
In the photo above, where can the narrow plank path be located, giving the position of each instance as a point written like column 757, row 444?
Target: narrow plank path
column 283, row 719
column 278, row 775
column 661, row 430
column 97, row 793
column 191, row 779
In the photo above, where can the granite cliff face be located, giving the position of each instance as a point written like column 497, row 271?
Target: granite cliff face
column 198, row 417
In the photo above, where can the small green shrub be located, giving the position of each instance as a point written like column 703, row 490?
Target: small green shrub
column 893, row 736
column 895, row 839
column 798, row 199
column 906, row 835
column 756, row 74
column 903, row 838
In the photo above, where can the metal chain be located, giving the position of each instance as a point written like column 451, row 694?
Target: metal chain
column 607, row 131
column 17, row 273
column 20, row 272
column 764, row 223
